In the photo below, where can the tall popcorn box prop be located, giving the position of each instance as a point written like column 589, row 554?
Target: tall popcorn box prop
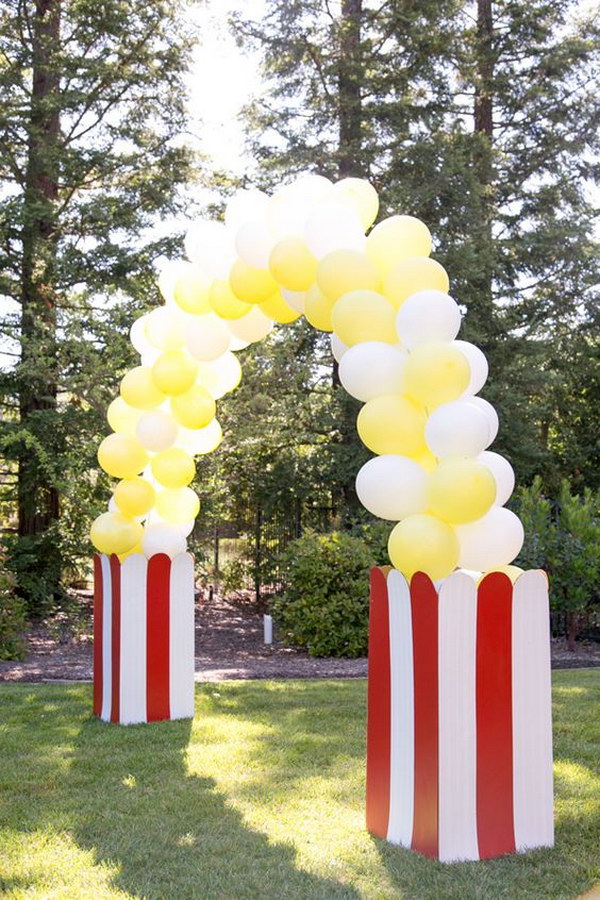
column 143, row 638
column 459, row 736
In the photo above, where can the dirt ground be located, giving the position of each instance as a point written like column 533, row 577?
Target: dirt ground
column 229, row 645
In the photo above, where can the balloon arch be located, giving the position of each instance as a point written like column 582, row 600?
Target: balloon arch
column 305, row 251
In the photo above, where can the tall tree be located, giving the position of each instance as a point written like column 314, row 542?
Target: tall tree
column 92, row 113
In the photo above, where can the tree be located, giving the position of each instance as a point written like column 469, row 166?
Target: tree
column 93, row 114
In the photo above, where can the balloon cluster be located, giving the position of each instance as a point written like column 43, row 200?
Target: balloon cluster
column 305, row 250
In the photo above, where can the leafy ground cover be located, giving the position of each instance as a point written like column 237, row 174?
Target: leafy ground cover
column 260, row 796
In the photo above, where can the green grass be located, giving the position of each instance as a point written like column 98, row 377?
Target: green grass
column 261, row 796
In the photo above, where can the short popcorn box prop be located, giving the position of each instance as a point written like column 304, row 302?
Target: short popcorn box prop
column 459, row 736
column 143, row 638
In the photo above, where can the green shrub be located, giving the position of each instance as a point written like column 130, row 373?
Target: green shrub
column 325, row 607
column 12, row 616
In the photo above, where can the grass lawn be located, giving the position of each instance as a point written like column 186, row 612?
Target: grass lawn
column 261, row 796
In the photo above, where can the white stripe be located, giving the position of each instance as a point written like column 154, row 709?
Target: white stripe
column 106, row 638
column 532, row 713
column 181, row 631
column 133, row 640
column 402, row 725
column 457, row 735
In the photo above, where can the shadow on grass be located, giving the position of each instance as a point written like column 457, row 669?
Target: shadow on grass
column 125, row 795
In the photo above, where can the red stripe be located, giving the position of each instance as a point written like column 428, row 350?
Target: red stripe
column 424, row 606
column 495, row 822
column 115, row 580
column 157, row 632
column 98, row 598
column 378, row 709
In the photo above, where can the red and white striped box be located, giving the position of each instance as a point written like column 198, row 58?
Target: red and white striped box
column 459, row 736
column 143, row 638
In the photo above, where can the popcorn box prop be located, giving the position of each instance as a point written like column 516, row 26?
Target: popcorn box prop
column 143, row 638
column 459, row 736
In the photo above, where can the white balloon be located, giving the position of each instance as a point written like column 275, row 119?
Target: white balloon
column 428, row 316
column 149, row 357
column 477, row 362
column 492, row 541
column 246, row 204
column 295, row 299
column 490, row 412
column 207, row 337
column 210, row 246
column 372, row 368
column 457, row 429
column 312, row 187
column 503, row 473
column 237, row 344
column 338, row 347
column 392, row 487
column 221, row 375
column 163, row 538
column 156, row 430
column 170, row 271
column 252, row 326
column 137, row 335
column 287, row 212
column 333, row 226
column 254, row 243
column 203, row 440
column 163, row 329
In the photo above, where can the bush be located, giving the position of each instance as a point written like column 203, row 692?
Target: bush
column 12, row 616
column 325, row 607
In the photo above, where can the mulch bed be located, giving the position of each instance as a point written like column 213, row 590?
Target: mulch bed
column 229, row 645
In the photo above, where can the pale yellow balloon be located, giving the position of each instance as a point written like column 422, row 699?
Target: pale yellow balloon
column 364, row 316
column 191, row 292
column 134, row 497
column 277, row 309
column 436, row 373
column 395, row 239
column 114, row 533
column 292, row 264
column 513, row 573
column 318, row 309
column 122, row 456
column 346, row 270
column 174, row 372
column 413, row 275
column 164, row 329
column 195, row 408
column 202, row 441
column 224, row 302
column 393, row 424
column 220, row 376
column 173, row 468
column 249, row 284
column 177, row 505
column 137, row 549
column 122, row 417
column 139, row 390
column 461, row 490
column 362, row 196
column 423, row 543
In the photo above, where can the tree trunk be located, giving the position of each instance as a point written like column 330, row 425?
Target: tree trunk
column 572, row 629
column 349, row 90
column 38, row 502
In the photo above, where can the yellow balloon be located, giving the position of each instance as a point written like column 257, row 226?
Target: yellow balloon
column 362, row 196
column 318, row 309
column 292, row 264
column 461, row 490
column 194, row 409
column 395, row 239
column 134, row 497
column 122, row 456
column 122, row 417
column 249, row 284
column 173, row 468
column 114, row 533
column 137, row 549
column 191, row 292
column 177, row 505
column 422, row 543
column 346, row 270
column 224, row 302
column 139, row 390
column 427, row 460
column 435, row 373
column 277, row 309
column 364, row 316
column 164, row 329
column 174, row 372
column 393, row 424
column 513, row 572
column 413, row 275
